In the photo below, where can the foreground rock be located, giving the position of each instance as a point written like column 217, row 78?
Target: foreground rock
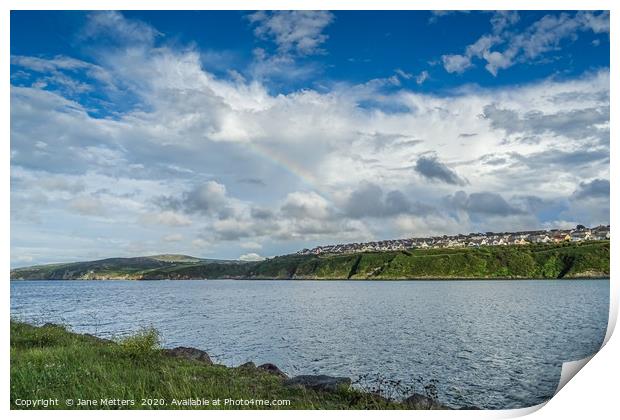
column 318, row 382
column 422, row 402
column 247, row 365
column 272, row 369
column 189, row 353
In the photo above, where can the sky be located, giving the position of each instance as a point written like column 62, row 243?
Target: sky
column 244, row 135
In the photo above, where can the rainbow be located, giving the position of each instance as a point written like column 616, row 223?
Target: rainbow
column 277, row 158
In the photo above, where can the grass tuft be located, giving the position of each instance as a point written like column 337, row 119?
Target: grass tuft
column 142, row 346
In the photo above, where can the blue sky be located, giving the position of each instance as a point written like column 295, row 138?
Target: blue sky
column 250, row 134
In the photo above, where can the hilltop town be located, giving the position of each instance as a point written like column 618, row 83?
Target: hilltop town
column 577, row 234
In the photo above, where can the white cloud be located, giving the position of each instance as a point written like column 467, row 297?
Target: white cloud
column 63, row 63
column 309, row 205
column 422, row 77
column 295, row 31
column 455, row 63
column 403, row 74
column 252, row 256
column 540, row 37
column 113, row 25
column 209, row 198
column 175, row 160
column 502, row 19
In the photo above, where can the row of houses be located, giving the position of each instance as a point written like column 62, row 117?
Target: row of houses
column 579, row 233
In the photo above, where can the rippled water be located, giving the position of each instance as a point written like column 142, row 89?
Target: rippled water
column 492, row 344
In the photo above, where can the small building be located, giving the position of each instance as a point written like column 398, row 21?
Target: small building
column 561, row 237
column 581, row 235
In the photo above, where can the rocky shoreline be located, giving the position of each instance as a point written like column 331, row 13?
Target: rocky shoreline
column 322, row 383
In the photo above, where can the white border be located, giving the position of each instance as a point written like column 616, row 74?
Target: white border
column 592, row 395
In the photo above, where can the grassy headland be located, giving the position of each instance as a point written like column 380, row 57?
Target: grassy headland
column 50, row 362
column 543, row 261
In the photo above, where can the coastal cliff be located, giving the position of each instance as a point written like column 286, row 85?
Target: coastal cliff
column 537, row 261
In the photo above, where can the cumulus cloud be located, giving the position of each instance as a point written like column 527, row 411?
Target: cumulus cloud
column 309, row 205
column 588, row 204
column 209, row 198
column 369, row 200
column 251, row 256
column 456, row 63
column 482, row 203
column 337, row 159
column 597, row 188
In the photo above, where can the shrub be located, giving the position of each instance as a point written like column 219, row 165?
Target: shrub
column 142, row 346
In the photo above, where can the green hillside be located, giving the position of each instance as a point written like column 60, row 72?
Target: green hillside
column 550, row 261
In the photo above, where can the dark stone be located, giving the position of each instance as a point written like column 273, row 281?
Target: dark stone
column 247, row 365
column 422, row 402
column 189, row 353
column 318, row 382
column 273, row 369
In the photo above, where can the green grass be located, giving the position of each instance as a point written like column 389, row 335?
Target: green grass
column 544, row 261
column 51, row 362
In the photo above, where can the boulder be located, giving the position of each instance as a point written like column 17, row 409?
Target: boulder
column 273, row 369
column 189, row 353
column 247, row 365
column 318, row 382
column 422, row 402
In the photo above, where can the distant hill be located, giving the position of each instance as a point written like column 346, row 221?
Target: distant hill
column 115, row 268
column 588, row 259
column 174, row 258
